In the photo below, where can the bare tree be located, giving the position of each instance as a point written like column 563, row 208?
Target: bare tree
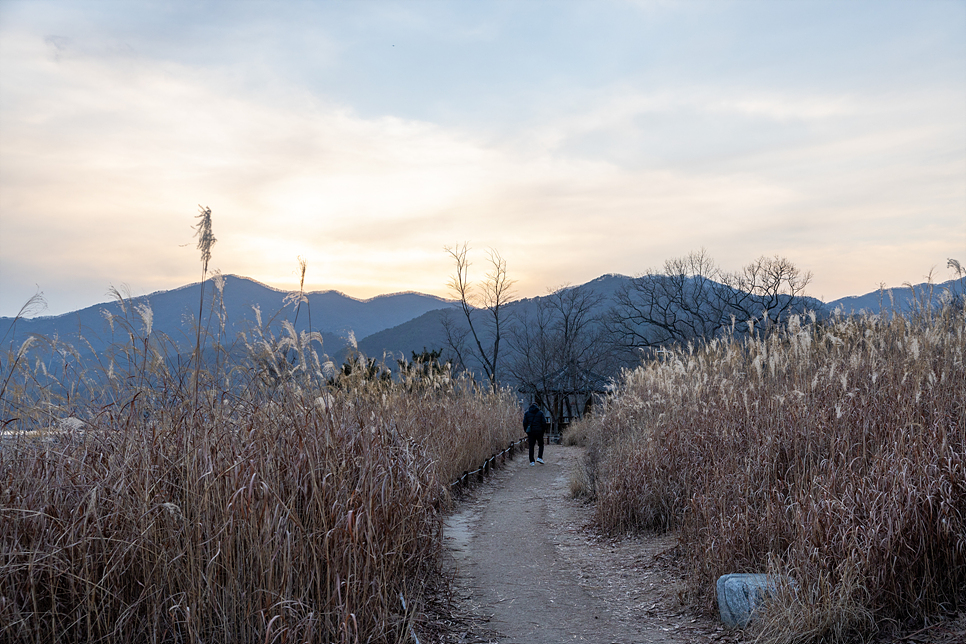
column 674, row 306
column 693, row 299
column 480, row 341
column 577, row 326
column 562, row 328
column 765, row 291
column 558, row 344
column 534, row 346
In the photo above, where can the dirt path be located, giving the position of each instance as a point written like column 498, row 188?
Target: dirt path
column 528, row 566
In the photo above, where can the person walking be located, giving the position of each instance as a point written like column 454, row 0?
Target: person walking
column 534, row 425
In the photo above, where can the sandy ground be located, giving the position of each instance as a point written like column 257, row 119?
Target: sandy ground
column 529, row 571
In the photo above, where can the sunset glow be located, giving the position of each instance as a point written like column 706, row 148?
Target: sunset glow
column 576, row 138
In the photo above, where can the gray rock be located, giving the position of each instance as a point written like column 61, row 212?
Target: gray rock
column 740, row 595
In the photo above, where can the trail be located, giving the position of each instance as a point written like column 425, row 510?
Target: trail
column 529, row 565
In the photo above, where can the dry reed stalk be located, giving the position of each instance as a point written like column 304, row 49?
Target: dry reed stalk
column 206, row 239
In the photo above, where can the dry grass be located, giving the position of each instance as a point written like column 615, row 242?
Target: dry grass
column 832, row 453
column 275, row 509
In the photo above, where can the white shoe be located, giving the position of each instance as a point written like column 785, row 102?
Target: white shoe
column 532, row 463
column 540, row 460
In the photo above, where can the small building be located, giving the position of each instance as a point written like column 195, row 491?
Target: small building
column 568, row 394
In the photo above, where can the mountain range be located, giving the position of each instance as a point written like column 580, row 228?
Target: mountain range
column 397, row 324
column 338, row 316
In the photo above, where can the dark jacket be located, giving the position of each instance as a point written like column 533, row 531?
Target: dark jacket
column 533, row 421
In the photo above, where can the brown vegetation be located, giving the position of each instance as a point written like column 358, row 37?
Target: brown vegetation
column 830, row 453
column 276, row 508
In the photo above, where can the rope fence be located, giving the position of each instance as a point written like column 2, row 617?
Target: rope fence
column 488, row 465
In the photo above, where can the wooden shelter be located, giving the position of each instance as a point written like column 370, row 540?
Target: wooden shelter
column 568, row 394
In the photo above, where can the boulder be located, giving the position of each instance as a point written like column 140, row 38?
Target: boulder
column 740, row 595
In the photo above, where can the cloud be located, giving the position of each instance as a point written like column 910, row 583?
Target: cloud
column 107, row 150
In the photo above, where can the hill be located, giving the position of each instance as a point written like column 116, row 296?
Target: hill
column 901, row 299
column 395, row 324
column 426, row 331
column 174, row 313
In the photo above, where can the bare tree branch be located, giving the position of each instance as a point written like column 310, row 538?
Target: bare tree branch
column 674, row 306
column 497, row 291
column 558, row 340
column 692, row 299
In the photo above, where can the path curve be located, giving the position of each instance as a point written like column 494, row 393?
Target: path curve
column 527, row 562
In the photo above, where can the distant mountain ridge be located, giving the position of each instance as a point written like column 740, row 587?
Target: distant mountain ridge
column 395, row 324
column 900, row 298
column 173, row 312
column 427, row 330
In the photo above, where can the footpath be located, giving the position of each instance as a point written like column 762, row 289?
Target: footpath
column 530, row 570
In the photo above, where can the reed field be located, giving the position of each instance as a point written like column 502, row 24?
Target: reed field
column 831, row 453
column 253, row 496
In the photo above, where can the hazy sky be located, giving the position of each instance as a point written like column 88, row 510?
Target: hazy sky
column 577, row 138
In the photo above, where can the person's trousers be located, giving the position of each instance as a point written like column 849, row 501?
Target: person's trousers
column 532, row 439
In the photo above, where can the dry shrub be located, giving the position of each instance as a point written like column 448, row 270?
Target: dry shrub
column 578, row 434
column 276, row 510
column 828, row 611
column 833, row 452
column 460, row 424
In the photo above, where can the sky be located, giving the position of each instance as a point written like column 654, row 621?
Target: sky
column 575, row 138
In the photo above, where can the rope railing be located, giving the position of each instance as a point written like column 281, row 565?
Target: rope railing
column 488, row 465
